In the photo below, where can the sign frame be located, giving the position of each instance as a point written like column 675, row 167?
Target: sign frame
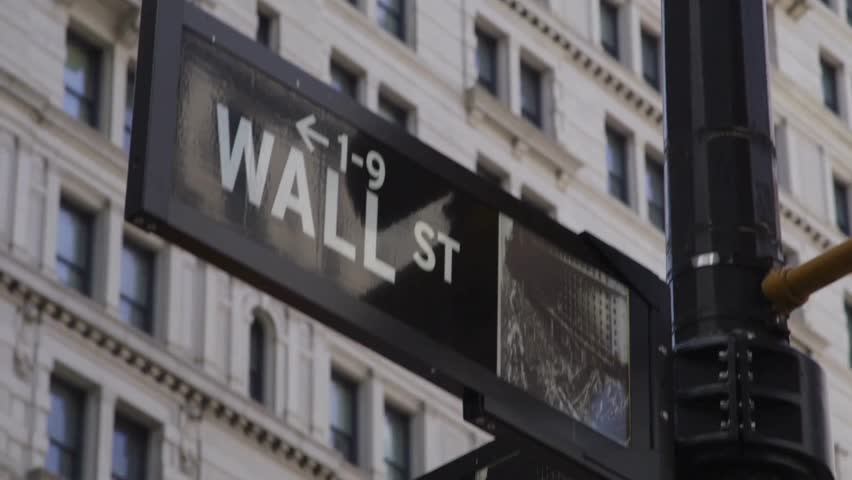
column 495, row 405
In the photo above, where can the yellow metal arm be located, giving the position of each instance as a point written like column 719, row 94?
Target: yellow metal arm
column 789, row 288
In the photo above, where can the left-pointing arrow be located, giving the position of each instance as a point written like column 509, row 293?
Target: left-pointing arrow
column 309, row 135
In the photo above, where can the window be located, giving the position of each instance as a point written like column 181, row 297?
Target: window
column 343, row 80
column 397, row 448
column 609, row 28
column 392, row 111
column 257, row 361
column 531, row 94
column 82, row 79
column 848, row 311
column 651, row 59
column 830, row 95
column 392, row 17
column 841, row 205
column 616, row 163
column 537, row 201
column 344, row 416
column 267, row 29
column 491, row 174
column 136, row 296
column 74, row 248
column 129, row 450
column 128, row 108
column 656, row 193
column 486, row 61
column 849, row 12
column 65, row 430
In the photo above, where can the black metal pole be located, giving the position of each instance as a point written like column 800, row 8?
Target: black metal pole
column 748, row 406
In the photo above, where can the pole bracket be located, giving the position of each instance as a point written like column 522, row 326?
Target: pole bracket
column 741, row 399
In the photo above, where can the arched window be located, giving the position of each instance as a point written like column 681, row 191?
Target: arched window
column 257, row 360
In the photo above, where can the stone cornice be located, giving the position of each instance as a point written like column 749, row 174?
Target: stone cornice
column 56, row 308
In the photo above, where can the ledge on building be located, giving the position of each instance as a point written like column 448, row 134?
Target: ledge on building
column 526, row 139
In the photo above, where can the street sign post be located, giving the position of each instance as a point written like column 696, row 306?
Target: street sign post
column 555, row 341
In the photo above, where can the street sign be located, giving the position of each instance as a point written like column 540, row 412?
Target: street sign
column 256, row 166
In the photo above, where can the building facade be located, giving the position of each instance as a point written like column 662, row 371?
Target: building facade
column 124, row 357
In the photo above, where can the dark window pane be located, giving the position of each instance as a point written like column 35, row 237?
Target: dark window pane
column 263, row 35
column 257, row 361
column 849, row 12
column 393, row 112
column 73, row 248
column 137, row 281
column 344, row 417
column 848, row 309
column 128, row 108
column 841, row 206
column 392, row 16
column 829, row 86
column 656, row 193
column 491, row 175
column 531, row 94
column 397, row 448
column 81, row 78
column 129, row 450
column 486, row 61
column 65, row 430
column 609, row 28
column 343, row 80
column 616, row 162
column 651, row 59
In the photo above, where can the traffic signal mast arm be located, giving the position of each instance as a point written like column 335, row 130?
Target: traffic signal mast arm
column 789, row 288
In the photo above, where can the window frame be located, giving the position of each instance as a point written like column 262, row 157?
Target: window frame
column 654, row 81
column 842, row 220
column 492, row 173
column 609, row 9
column 612, row 132
column 129, row 105
column 388, row 105
column 258, row 340
column 96, row 54
column 485, row 37
column 78, row 457
column 87, row 271
column 831, row 69
column 123, row 419
column 402, row 33
column 394, row 413
column 140, row 250
column 273, row 35
column 341, row 67
column 528, row 68
column 351, row 386
column 652, row 166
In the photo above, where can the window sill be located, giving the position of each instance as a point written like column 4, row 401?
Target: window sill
column 482, row 107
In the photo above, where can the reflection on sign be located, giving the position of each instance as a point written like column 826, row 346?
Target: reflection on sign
column 563, row 331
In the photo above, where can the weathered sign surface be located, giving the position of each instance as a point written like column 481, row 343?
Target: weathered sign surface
column 263, row 170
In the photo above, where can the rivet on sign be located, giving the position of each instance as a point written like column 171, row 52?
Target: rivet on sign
column 663, row 350
column 664, row 415
column 213, row 38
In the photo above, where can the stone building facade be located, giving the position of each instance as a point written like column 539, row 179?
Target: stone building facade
column 124, row 357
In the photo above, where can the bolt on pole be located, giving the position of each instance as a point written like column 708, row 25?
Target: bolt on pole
column 748, row 406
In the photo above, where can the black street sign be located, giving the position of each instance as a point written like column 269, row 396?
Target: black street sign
column 259, row 168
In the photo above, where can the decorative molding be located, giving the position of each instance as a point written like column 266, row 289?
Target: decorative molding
column 628, row 86
column 482, row 107
column 197, row 401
